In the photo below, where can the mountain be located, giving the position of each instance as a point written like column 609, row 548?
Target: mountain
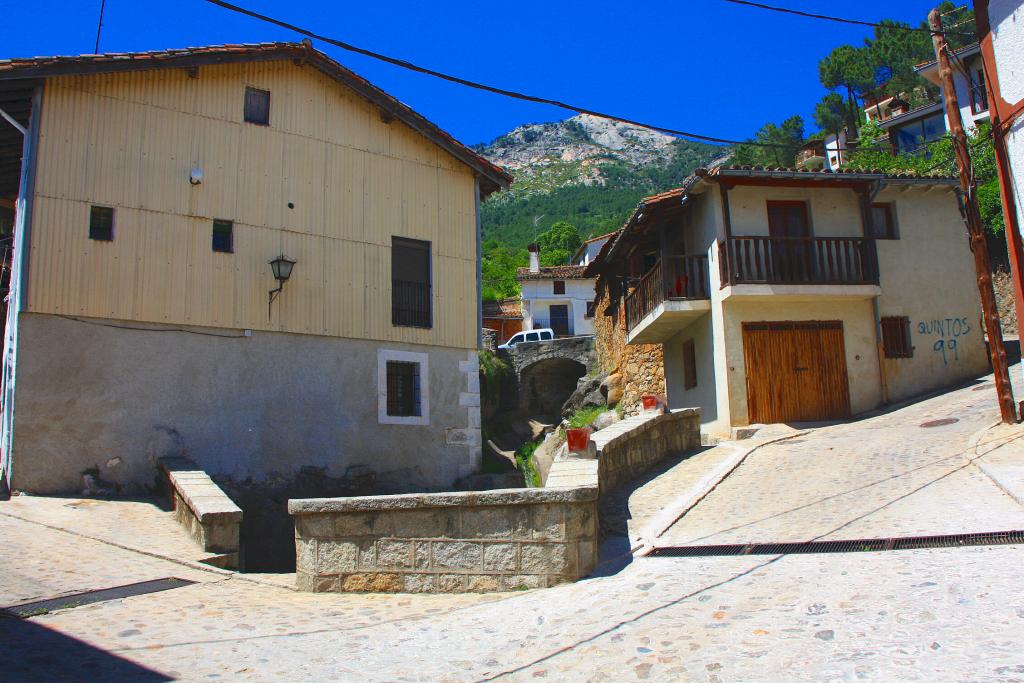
column 585, row 170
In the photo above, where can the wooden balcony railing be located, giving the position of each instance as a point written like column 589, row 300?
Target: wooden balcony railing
column 674, row 277
column 798, row 260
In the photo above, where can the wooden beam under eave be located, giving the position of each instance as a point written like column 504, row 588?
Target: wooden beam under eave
column 817, row 183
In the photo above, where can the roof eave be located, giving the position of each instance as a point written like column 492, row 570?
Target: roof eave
column 492, row 177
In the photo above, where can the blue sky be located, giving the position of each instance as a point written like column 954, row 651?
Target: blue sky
column 706, row 66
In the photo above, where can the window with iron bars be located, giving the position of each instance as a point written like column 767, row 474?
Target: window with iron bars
column 403, row 388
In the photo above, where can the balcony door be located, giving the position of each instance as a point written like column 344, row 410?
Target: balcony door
column 791, row 251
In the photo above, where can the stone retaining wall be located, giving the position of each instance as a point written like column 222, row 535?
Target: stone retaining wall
column 480, row 541
column 631, row 453
column 446, row 542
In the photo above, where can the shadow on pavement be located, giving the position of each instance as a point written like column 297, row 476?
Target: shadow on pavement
column 615, row 513
column 33, row 652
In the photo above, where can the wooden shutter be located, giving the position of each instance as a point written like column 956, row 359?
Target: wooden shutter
column 896, row 337
column 689, row 365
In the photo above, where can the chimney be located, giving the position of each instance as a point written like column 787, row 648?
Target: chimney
column 534, row 250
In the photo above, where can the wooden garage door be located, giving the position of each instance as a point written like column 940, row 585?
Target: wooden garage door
column 796, row 371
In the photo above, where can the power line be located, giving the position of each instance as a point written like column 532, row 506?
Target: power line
column 841, row 20
column 482, row 86
column 99, row 27
column 404, row 64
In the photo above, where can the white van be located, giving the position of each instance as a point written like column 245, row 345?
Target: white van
column 546, row 334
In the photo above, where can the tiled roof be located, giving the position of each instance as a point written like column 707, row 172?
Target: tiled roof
column 42, row 67
column 552, row 273
column 823, row 174
column 504, row 308
column 600, row 237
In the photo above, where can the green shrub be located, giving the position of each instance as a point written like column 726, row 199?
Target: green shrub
column 495, row 373
column 527, row 465
column 585, row 416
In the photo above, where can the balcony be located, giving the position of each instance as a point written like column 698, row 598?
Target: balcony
column 802, row 267
column 671, row 295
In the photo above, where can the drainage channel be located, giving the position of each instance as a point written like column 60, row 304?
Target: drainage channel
column 35, row 609
column 858, row 545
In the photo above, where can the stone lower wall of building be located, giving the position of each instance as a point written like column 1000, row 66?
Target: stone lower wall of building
column 642, row 366
column 112, row 398
column 450, row 542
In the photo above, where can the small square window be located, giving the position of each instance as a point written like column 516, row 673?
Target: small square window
column 689, row 365
column 559, row 286
column 223, row 240
column 403, row 389
column 101, row 223
column 591, row 309
column 883, row 219
column 257, row 106
column 896, row 337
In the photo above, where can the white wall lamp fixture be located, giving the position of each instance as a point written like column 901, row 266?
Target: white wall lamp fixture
column 281, row 267
column 195, row 176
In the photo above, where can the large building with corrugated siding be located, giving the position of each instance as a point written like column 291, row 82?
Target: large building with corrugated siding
column 150, row 193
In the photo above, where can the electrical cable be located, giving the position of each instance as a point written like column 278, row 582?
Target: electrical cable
column 151, row 329
column 841, row 20
column 404, row 64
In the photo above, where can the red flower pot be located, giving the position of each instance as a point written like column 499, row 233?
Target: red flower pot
column 650, row 402
column 578, row 439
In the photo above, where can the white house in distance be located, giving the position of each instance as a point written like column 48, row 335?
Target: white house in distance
column 589, row 249
column 559, row 297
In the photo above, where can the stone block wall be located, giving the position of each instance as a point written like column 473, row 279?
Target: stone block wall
column 207, row 513
column 637, row 450
column 642, row 366
column 480, row 541
column 446, row 542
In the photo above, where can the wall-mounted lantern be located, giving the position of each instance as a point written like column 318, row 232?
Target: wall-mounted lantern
column 282, row 269
column 195, row 176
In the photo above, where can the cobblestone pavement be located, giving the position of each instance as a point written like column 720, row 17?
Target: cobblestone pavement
column 945, row 614
column 903, row 473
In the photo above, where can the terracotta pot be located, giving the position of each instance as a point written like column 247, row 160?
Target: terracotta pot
column 650, row 402
column 578, row 439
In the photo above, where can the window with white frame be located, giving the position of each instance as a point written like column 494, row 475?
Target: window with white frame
column 403, row 388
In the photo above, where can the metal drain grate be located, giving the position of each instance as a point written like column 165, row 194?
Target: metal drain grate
column 34, row 609
column 859, row 545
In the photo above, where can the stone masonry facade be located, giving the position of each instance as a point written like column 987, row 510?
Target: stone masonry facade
column 642, row 366
column 446, row 542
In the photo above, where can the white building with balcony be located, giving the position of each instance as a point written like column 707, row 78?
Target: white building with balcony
column 559, row 297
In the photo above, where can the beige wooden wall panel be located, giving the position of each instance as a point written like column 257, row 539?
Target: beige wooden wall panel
column 130, row 140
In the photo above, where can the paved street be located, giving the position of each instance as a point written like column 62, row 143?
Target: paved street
column 940, row 614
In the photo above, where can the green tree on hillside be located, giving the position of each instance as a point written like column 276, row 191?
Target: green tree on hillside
column 830, row 113
column 558, row 244
column 785, row 140
column 848, row 68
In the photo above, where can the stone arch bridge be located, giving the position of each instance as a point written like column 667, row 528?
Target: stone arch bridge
column 547, row 371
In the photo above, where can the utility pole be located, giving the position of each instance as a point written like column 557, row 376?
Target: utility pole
column 972, row 216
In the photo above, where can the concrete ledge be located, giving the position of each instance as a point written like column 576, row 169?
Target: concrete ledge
column 202, row 507
column 414, row 501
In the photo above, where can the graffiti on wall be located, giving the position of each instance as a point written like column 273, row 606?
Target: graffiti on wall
column 948, row 331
